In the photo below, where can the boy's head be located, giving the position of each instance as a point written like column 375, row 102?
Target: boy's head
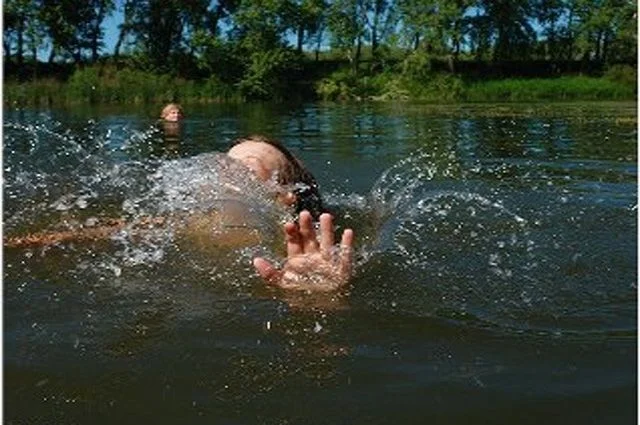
column 267, row 158
column 172, row 113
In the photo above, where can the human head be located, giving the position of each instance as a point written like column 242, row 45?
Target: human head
column 172, row 113
column 266, row 156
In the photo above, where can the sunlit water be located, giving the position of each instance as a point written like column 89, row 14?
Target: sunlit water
column 496, row 269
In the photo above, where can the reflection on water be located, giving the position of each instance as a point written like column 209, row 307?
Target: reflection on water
column 495, row 279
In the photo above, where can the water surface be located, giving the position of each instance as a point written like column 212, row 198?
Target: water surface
column 496, row 276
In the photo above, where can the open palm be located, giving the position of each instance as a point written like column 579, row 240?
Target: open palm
column 312, row 264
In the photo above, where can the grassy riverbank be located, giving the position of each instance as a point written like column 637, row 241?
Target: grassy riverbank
column 107, row 85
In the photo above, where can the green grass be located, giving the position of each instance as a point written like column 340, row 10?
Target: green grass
column 537, row 89
column 109, row 85
column 438, row 87
column 32, row 93
column 104, row 85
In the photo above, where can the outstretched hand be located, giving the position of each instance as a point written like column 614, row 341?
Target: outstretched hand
column 312, row 264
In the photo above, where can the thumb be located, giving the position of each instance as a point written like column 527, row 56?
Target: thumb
column 266, row 270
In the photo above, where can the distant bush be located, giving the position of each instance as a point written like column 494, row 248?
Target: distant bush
column 212, row 89
column 85, row 85
column 108, row 84
column 391, row 87
column 438, row 87
column 446, row 88
column 40, row 92
column 417, row 67
column 340, row 85
column 624, row 74
column 271, row 76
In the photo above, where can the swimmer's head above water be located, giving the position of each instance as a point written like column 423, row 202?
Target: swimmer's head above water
column 172, row 113
column 269, row 159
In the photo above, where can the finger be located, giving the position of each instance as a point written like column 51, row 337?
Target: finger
column 346, row 252
column 307, row 232
column 293, row 240
column 326, row 234
column 266, row 270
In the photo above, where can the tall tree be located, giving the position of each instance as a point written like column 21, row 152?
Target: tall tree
column 417, row 21
column 479, row 33
column 347, row 24
column 455, row 23
column 22, row 27
column 550, row 15
column 511, row 26
column 624, row 45
column 599, row 23
column 126, row 27
column 306, row 17
column 98, row 11
column 158, row 28
column 381, row 19
column 76, row 27
column 261, row 45
column 262, row 24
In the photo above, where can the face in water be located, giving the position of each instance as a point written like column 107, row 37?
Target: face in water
column 172, row 113
column 265, row 161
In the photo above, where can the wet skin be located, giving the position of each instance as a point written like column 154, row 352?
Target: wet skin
column 173, row 115
column 311, row 264
column 313, row 261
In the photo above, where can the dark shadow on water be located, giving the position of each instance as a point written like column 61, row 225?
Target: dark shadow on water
column 495, row 282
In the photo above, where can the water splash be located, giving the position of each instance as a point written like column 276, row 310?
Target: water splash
column 105, row 188
column 447, row 244
column 439, row 236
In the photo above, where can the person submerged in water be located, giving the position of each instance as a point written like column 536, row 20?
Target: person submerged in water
column 313, row 261
column 310, row 257
column 171, row 118
column 172, row 113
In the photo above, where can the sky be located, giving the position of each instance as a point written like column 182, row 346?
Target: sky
column 112, row 22
column 111, row 30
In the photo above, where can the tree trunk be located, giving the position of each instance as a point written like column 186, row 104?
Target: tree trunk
column 374, row 32
column 20, row 47
column 598, row 43
column 318, row 43
column 456, row 48
column 116, row 48
column 77, row 56
column 52, row 54
column 124, row 28
column 94, row 49
column 358, row 55
column 7, row 49
column 570, row 41
column 374, row 42
column 605, row 45
column 95, row 36
column 300, row 38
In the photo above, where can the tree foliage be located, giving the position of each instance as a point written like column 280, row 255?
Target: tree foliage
column 255, row 44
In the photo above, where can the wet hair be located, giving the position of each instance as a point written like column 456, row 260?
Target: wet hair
column 294, row 174
column 170, row 107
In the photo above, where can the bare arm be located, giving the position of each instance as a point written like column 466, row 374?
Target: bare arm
column 80, row 234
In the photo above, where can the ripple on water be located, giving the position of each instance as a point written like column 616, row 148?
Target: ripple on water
column 440, row 236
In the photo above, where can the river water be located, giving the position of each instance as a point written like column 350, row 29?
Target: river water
column 495, row 278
